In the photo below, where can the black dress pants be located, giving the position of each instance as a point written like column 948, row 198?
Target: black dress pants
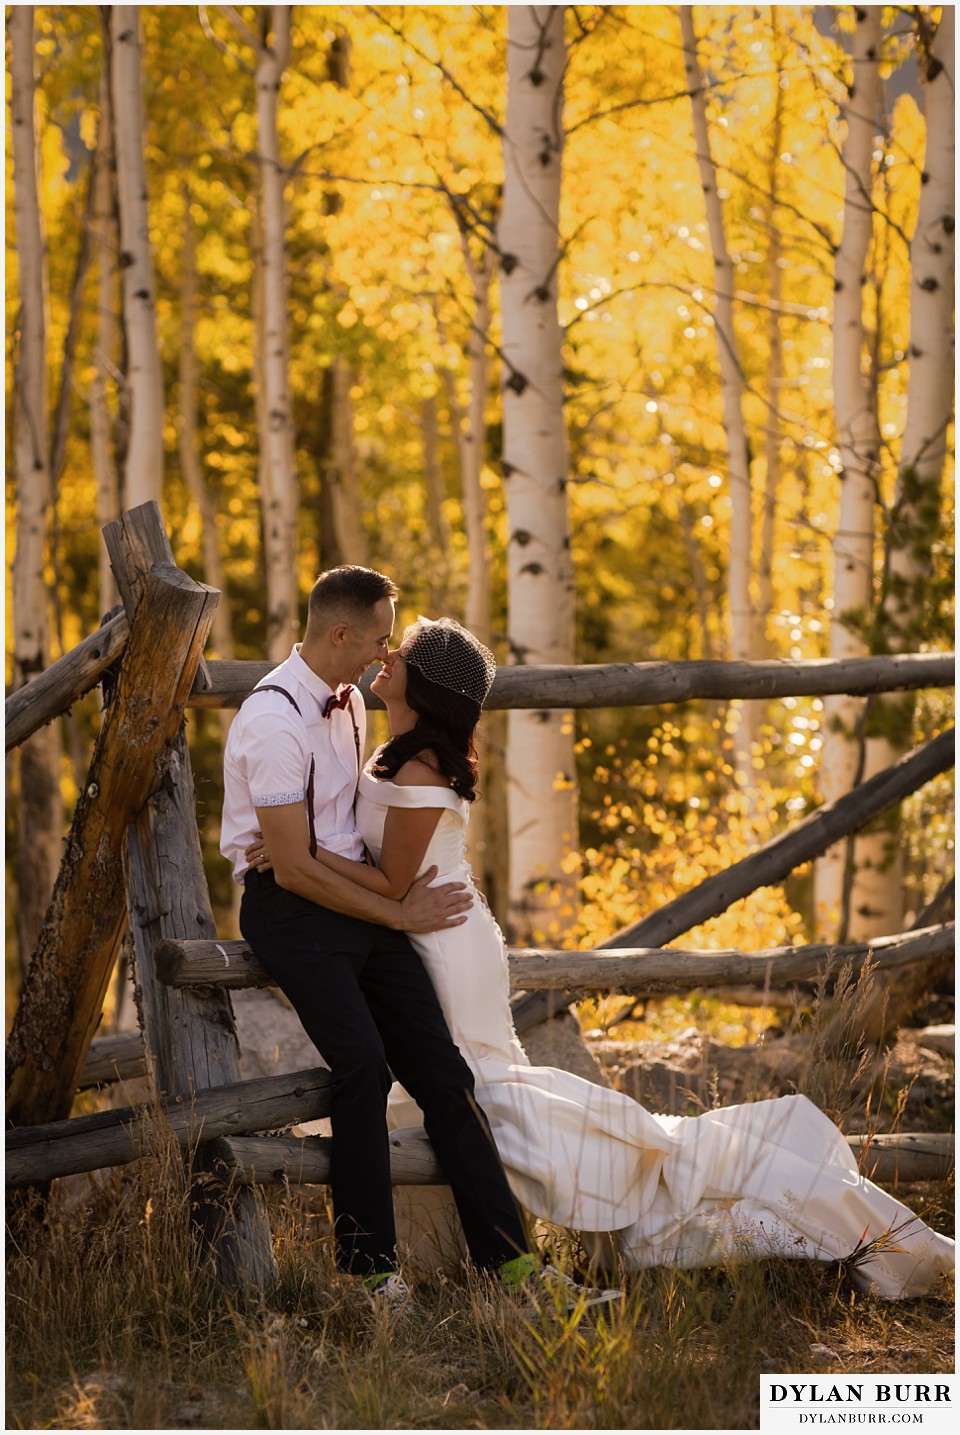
column 367, row 1004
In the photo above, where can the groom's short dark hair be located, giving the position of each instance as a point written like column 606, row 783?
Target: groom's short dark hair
column 348, row 593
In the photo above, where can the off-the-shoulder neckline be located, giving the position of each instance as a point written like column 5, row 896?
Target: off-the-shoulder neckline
column 410, row 786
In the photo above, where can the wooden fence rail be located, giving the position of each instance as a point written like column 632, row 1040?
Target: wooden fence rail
column 602, row 685
column 58, row 687
column 35, row 1154
column 274, row 1160
column 233, row 965
column 221, row 1117
column 224, row 684
column 113, row 1058
column 802, row 842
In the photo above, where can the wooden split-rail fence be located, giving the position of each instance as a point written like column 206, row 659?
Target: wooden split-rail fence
column 133, row 861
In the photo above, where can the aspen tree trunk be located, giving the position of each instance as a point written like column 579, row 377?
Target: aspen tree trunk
column 472, row 444
column 342, row 475
column 221, row 632
column 930, row 392
column 540, row 755
column 741, row 613
column 343, row 507
column 275, row 552
column 698, row 578
column 280, row 496
column 322, row 537
column 858, row 440
column 197, row 486
column 763, row 644
column 105, row 247
column 877, row 905
column 487, row 836
column 470, row 429
column 143, row 469
column 39, row 811
column 272, row 547
column 105, row 250
column 434, row 494
column 60, row 422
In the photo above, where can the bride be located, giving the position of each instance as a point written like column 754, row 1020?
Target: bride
column 767, row 1178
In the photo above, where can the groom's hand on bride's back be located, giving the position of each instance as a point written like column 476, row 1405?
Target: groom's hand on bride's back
column 430, row 909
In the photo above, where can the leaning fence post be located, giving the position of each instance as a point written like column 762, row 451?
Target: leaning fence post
column 63, row 991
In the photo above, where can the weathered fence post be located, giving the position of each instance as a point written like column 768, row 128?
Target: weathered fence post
column 63, row 991
column 189, row 1036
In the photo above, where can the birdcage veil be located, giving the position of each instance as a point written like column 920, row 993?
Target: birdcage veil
column 446, row 653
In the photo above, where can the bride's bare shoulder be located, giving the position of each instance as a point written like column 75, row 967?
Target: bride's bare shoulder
column 420, row 771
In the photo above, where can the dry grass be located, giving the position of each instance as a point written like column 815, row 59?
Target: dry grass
column 115, row 1323
column 114, row 1320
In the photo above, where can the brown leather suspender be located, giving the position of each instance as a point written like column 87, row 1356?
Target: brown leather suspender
column 274, row 688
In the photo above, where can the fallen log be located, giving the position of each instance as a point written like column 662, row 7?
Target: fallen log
column 58, row 687
column 232, row 964
column 778, row 857
column 63, row 991
column 599, row 685
column 36, row 1154
column 276, row 1160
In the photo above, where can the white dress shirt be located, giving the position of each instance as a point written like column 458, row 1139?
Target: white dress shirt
column 266, row 762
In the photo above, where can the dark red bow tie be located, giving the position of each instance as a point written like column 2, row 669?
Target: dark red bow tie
column 337, row 700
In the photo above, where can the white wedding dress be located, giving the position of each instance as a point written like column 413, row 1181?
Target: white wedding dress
column 773, row 1177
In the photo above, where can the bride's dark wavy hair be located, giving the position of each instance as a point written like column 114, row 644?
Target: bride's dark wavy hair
column 446, row 724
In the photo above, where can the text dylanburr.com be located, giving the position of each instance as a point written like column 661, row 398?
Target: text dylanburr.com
column 820, row 1402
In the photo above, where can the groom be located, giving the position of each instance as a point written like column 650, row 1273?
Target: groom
column 339, row 952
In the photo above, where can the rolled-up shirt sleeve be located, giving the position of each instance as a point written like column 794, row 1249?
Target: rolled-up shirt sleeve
column 276, row 761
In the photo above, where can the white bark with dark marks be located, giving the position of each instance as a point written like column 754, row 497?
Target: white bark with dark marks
column 740, row 557
column 105, row 256
column 541, row 776
column 39, row 808
column 143, row 470
column 931, row 382
column 858, row 440
column 280, row 490
column 878, row 891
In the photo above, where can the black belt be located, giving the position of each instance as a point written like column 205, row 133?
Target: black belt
column 252, row 877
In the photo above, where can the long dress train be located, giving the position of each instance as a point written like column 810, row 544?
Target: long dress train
column 772, row 1177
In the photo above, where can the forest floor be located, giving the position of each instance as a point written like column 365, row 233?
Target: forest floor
column 113, row 1322
column 910, row 1087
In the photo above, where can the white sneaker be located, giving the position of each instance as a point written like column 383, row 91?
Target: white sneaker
column 391, row 1295
column 554, row 1282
